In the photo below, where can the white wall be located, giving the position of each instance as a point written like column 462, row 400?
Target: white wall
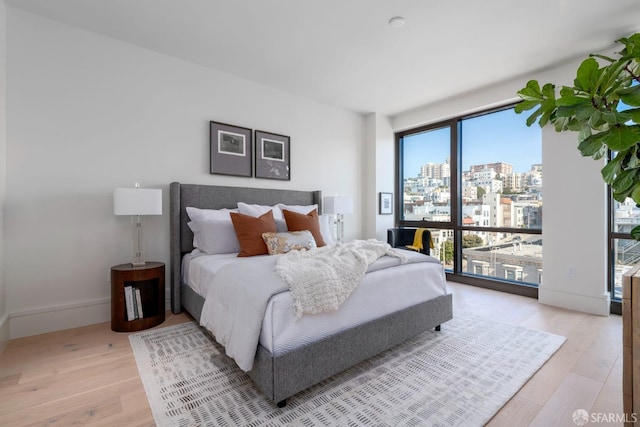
column 574, row 225
column 379, row 172
column 4, row 319
column 88, row 114
column 369, row 176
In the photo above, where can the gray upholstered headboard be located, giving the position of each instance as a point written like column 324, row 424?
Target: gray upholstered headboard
column 216, row 197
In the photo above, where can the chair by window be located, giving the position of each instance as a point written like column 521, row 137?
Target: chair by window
column 401, row 237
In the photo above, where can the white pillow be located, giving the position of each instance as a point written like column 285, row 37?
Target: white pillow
column 297, row 208
column 326, row 225
column 259, row 210
column 214, row 236
column 197, row 214
column 281, row 225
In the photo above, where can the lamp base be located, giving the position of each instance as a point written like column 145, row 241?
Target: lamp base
column 339, row 227
column 138, row 259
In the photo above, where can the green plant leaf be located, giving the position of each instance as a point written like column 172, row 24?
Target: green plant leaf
column 534, row 116
column 610, row 78
column 572, row 101
column 611, row 169
column 624, row 181
column 621, row 197
column 633, row 161
column 600, row 154
column 591, row 145
column 630, row 95
column 549, row 91
column 584, row 111
column 574, row 125
column 546, row 115
column 525, row 106
column 615, row 118
column 620, row 138
column 532, row 96
column 567, row 91
column 587, row 75
column 635, row 232
column 635, row 193
column 634, row 115
column 572, row 106
column 595, row 120
column 531, row 92
column 631, row 45
column 606, row 58
column 584, row 132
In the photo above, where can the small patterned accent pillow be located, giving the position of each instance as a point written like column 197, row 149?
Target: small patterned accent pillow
column 281, row 243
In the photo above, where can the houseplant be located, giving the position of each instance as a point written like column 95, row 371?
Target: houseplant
column 602, row 106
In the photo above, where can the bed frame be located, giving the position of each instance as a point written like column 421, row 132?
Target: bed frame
column 282, row 376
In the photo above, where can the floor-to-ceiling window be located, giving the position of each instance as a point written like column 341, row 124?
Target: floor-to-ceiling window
column 476, row 183
column 624, row 252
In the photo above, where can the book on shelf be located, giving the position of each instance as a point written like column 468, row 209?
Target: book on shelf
column 129, row 302
column 138, row 303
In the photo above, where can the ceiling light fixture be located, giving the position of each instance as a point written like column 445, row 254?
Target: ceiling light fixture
column 396, row 22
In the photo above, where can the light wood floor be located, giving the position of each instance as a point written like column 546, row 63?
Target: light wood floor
column 88, row 376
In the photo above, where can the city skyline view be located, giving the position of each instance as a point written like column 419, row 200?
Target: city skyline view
column 491, row 138
column 500, row 188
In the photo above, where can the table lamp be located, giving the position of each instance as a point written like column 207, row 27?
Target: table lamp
column 338, row 206
column 137, row 202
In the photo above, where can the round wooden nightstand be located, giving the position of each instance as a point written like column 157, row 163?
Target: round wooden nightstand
column 137, row 296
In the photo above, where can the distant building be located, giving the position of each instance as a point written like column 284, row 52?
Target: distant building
column 506, row 206
column 514, row 182
column 469, row 191
column 513, row 260
column 492, row 201
column 435, row 170
column 498, row 167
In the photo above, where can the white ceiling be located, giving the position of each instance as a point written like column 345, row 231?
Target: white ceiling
column 344, row 53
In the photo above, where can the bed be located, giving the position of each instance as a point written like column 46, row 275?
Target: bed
column 282, row 374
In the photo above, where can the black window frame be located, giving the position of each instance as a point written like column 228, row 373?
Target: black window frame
column 455, row 221
column 615, row 305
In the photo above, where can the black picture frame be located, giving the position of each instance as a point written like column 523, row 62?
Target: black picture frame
column 385, row 203
column 231, row 149
column 272, row 154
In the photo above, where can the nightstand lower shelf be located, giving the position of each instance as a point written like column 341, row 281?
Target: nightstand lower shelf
column 144, row 306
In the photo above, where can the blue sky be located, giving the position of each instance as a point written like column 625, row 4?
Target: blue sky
column 497, row 137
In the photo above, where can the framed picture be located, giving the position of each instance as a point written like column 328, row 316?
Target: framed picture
column 231, row 149
column 272, row 156
column 386, row 203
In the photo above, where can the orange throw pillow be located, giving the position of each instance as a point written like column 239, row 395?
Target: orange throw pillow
column 299, row 222
column 249, row 230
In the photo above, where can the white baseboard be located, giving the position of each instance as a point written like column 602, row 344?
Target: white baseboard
column 56, row 318
column 593, row 304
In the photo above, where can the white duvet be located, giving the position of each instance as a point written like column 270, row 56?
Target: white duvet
column 321, row 279
column 235, row 304
column 237, row 295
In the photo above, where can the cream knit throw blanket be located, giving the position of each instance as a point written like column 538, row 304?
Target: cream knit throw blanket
column 322, row 278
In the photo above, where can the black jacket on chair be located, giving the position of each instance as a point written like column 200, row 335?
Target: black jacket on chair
column 401, row 237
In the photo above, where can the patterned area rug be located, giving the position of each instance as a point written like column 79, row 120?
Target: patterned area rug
column 460, row 376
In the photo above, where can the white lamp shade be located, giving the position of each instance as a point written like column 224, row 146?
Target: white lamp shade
column 337, row 205
column 137, row 201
